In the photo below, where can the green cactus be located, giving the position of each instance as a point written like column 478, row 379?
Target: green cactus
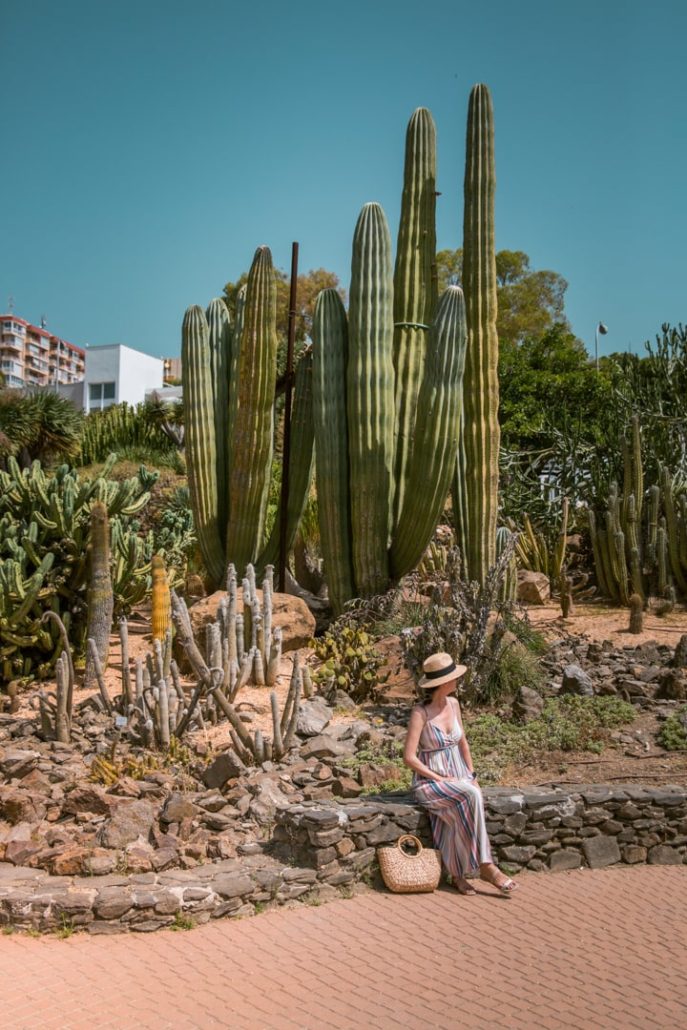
column 251, row 437
column 201, row 441
column 44, row 535
column 415, row 287
column 509, row 587
column 220, row 343
column 229, row 386
column 330, row 359
column 300, row 465
column 370, row 399
column 432, row 460
column 99, row 596
column 476, row 486
column 643, row 543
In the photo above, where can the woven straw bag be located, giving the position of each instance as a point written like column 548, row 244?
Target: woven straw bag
column 409, row 874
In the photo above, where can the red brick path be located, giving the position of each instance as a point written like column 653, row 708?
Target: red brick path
column 583, row 949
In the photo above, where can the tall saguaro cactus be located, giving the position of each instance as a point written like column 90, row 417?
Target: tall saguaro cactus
column 370, row 398
column 201, row 443
column 229, row 378
column 432, row 458
column 330, row 360
column 250, row 461
column 476, row 487
column 415, row 285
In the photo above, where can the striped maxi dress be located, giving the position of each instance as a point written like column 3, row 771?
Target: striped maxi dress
column 456, row 808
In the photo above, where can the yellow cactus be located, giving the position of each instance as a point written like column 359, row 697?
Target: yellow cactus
column 162, row 602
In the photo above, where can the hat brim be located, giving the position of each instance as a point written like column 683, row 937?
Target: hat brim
column 455, row 674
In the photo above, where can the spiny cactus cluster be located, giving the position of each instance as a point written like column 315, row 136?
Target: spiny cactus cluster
column 45, row 525
column 229, row 375
column 120, row 426
column 640, row 542
column 387, row 391
column 218, row 689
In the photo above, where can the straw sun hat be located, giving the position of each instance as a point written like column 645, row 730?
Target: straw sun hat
column 440, row 668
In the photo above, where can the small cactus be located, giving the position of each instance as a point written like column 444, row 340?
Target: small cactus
column 161, row 599
column 636, row 614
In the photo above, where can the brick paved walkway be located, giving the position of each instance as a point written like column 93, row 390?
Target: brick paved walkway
column 583, row 949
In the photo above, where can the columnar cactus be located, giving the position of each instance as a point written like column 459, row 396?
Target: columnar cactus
column 385, row 460
column 201, row 442
column 370, row 399
column 432, row 460
column 642, row 542
column 415, row 286
column 477, row 479
column 251, row 436
column 99, row 597
column 229, row 385
column 330, row 359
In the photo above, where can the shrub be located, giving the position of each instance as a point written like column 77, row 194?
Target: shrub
column 515, row 666
column 673, row 733
column 566, row 724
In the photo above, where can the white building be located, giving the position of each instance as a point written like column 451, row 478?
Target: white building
column 115, row 374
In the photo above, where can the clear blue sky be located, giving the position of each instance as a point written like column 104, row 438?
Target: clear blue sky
column 148, row 147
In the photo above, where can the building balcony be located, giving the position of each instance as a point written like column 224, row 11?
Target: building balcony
column 11, row 342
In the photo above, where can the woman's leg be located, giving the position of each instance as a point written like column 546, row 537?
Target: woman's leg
column 458, row 824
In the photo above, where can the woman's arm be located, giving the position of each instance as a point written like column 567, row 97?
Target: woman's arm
column 463, row 745
column 410, row 750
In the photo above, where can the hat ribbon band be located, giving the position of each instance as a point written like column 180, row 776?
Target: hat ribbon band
column 441, row 672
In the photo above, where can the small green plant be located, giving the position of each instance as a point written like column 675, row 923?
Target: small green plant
column 183, row 922
column 566, row 724
column 514, row 666
column 65, row 929
column 8, row 930
column 349, row 662
column 673, row 733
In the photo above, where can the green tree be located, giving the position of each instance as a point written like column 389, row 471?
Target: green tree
column 529, row 302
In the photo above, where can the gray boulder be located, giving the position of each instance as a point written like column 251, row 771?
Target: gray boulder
column 129, row 821
column 528, row 704
column 227, row 766
column 576, row 681
column 313, row 716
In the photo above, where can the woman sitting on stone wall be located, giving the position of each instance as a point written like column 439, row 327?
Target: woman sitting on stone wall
column 444, row 781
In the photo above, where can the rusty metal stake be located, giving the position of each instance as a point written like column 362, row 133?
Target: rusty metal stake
column 286, row 451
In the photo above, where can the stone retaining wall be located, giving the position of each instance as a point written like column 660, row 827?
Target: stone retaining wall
column 536, row 829
column 318, row 848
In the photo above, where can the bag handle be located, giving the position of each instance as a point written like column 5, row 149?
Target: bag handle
column 410, row 838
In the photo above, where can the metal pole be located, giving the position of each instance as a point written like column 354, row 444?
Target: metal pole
column 596, row 346
column 286, row 455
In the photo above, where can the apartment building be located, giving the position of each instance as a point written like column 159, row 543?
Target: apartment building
column 31, row 356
